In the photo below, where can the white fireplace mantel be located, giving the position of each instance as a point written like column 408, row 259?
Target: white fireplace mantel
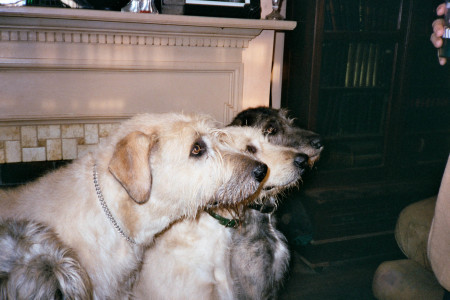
column 64, row 67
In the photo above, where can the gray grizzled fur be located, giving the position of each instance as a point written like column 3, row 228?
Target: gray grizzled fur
column 259, row 254
column 34, row 264
column 280, row 129
column 259, row 257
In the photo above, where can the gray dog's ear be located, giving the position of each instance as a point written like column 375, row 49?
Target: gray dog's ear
column 130, row 165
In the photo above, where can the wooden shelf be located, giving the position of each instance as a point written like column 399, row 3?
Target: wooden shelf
column 105, row 19
column 361, row 35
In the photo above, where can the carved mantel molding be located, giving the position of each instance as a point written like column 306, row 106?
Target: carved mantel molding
column 117, row 38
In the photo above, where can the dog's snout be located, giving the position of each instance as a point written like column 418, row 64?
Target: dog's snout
column 301, row 161
column 260, row 172
column 316, row 142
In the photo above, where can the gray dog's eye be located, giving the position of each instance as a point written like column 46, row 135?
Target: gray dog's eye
column 198, row 149
column 270, row 130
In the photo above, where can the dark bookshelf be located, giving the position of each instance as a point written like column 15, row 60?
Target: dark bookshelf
column 355, row 64
column 364, row 75
column 361, row 15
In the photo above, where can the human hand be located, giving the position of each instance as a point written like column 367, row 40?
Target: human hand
column 438, row 31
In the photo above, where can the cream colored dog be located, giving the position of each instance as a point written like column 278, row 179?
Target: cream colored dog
column 191, row 260
column 108, row 205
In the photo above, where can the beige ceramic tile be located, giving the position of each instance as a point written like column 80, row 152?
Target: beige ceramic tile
column 44, row 142
column 54, row 149
column 49, row 132
column 69, row 148
column 9, row 133
column 29, row 136
column 91, row 133
column 12, row 151
column 70, row 131
column 106, row 129
column 33, row 154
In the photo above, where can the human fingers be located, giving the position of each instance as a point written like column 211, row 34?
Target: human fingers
column 438, row 27
column 438, row 31
column 436, row 41
column 440, row 10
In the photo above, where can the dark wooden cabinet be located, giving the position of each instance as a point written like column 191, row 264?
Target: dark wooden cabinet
column 365, row 76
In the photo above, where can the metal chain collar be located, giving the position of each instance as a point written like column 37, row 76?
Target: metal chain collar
column 106, row 209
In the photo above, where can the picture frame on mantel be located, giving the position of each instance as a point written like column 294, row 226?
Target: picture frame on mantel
column 249, row 9
column 234, row 3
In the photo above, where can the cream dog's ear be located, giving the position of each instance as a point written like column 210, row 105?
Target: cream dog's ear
column 130, row 165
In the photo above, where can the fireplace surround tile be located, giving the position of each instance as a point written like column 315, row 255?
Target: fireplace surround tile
column 54, row 149
column 53, row 142
column 33, row 154
column 49, row 132
column 72, row 130
column 13, row 151
column 29, row 136
column 69, row 148
column 91, row 133
column 9, row 133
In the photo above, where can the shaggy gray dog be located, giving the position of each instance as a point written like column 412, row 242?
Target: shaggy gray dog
column 259, row 253
column 34, row 264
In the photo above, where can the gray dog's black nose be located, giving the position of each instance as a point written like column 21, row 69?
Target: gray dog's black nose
column 260, row 172
column 316, row 142
column 301, row 161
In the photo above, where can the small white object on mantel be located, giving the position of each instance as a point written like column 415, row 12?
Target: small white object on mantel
column 266, row 8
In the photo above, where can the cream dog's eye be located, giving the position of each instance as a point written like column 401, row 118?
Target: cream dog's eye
column 198, row 149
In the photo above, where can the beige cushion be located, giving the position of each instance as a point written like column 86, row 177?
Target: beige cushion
column 405, row 279
column 439, row 238
column 412, row 229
